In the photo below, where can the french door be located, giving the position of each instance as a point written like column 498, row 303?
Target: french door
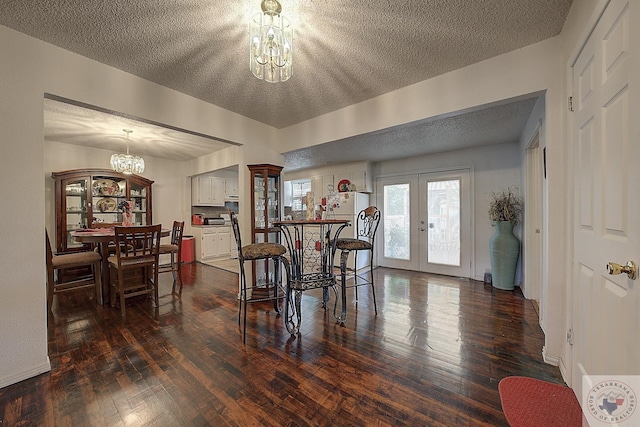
column 426, row 224
column 445, row 223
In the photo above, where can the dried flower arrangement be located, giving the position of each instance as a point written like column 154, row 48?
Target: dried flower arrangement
column 506, row 205
column 124, row 206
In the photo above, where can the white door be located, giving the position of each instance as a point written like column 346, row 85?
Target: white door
column 606, row 175
column 445, row 223
column 398, row 232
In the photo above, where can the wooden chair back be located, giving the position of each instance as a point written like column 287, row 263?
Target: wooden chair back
column 177, row 231
column 137, row 246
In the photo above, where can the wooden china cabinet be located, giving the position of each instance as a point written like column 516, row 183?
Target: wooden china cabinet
column 266, row 204
column 88, row 198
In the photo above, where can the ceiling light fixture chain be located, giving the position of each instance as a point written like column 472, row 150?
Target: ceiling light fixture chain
column 271, row 44
column 127, row 163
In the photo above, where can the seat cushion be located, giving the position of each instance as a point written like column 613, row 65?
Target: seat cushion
column 262, row 250
column 350, row 244
column 167, row 249
column 80, row 258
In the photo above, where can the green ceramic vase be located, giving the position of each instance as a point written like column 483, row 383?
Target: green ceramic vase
column 504, row 248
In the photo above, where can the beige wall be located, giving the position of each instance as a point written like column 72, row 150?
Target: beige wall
column 37, row 68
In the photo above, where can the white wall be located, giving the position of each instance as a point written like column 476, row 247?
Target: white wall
column 37, row 68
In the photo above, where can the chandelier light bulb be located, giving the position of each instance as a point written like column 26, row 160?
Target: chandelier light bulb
column 127, row 163
column 271, row 44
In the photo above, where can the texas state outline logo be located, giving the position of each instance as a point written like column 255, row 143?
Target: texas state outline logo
column 612, row 402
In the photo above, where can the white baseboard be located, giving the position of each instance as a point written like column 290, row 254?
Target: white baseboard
column 551, row 360
column 564, row 373
column 21, row 376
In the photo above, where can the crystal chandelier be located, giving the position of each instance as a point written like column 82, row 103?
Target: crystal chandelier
column 126, row 163
column 271, row 44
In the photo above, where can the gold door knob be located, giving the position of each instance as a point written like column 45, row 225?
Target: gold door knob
column 630, row 269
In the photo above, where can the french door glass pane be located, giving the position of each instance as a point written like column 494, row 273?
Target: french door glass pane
column 443, row 205
column 397, row 236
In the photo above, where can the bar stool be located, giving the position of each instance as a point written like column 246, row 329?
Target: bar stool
column 252, row 252
column 366, row 227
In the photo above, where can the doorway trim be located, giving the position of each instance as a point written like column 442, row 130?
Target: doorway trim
column 533, row 258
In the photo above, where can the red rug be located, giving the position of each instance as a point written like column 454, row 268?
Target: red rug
column 528, row 402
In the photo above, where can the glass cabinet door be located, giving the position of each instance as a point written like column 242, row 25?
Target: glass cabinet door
column 265, row 198
column 138, row 195
column 259, row 205
column 75, row 192
column 273, row 195
column 107, row 193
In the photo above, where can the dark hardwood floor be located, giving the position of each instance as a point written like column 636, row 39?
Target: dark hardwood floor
column 432, row 357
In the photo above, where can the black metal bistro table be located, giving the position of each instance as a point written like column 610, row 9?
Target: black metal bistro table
column 311, row 245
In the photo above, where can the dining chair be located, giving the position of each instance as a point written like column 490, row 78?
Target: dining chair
column 366, row 226
column 174, row 249
column 134, row 267
column 59, row 262
column 252, row 252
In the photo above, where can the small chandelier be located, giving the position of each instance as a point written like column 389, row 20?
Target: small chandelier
column 271, row 44
column 126, row 163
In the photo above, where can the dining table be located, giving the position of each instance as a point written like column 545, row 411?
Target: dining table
column 311, row 247
column 101, row 237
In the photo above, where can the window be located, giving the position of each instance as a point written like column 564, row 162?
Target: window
column 443, row 200
column 295, row 193
column 397, row 235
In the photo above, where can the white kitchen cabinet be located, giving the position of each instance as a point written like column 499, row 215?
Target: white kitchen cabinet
column 217, row 194
column 207, row 191
column 231, row 189
column 319, row 186
column 224, row 242
column 209, row 244
column 361, row 178
column 216, row 242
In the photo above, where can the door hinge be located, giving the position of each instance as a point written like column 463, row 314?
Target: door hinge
column 570, row 336
column 570, row 103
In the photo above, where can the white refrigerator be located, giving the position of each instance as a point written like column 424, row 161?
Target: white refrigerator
column 351, row 203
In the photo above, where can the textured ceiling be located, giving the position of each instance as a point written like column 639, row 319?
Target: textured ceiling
column 485, row 126
column 344, row 52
